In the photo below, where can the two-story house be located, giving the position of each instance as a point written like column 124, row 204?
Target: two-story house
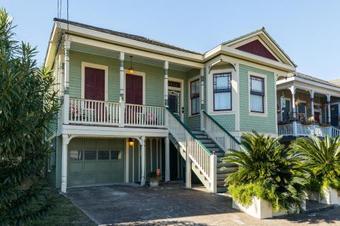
column 132, row 105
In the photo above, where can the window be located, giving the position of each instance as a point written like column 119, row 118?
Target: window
column 222, row 92
column 90, row 155
column 76, row 155
column 257, row 94
column 195, row 97
column 103, row 155
column 115, row 155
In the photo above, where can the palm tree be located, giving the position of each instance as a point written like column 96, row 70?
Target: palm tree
column 266, row 169
column 322, row 158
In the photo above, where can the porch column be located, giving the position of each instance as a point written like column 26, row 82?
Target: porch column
column 127, row 150
column 329, row 109
column 166, row 78
column 143, row 164
column 122, row 89
column 64, row 152
column 66, row 104
column 311, row 92
column 188, row 166
column 202, row 98
column 293, row 90
column 167, row 159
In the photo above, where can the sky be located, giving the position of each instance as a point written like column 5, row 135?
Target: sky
column 307, row 30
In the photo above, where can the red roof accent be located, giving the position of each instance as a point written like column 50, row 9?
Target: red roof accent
column 256, row 47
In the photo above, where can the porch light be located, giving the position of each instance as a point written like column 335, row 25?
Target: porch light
column 130, row 141
column 130, row 70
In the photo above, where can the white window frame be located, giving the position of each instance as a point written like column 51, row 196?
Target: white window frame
column 210, row 91
column 189, row 97
column 96, row 66
column 265, row 98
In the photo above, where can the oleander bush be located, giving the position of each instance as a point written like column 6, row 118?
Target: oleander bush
column 267, row 170
column 27, row 104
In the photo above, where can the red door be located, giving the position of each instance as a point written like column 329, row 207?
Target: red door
column 94, row 84
column 134, row 95
column 95, row 90
column 134, row 89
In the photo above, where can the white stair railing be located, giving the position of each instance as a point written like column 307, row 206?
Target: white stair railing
column 221, row 136
column 201, row 157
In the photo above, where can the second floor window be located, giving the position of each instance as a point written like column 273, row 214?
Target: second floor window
column 257, row 94
column 222, row 92
column 195, row 97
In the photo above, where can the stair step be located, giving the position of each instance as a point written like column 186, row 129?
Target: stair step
column 221, row 183
column 200, row 137
column 226, row 170
column 206, row 141
column 221, row 189
column 198, row 132
column 225, row 164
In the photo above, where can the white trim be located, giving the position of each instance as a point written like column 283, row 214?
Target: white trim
column 137, row 73
column 275, row 102
column 181, row 81
column 234, row 93
column 96, row 66
column 189, row 99
column 265, row 113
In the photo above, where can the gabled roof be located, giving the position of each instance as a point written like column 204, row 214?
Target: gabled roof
column 125, row 35
column 269, row 43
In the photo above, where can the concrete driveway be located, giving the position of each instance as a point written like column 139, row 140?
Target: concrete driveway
column 174, row 205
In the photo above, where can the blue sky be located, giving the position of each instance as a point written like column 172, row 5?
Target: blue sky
column 307, row 30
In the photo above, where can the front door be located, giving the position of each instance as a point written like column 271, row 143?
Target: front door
column 335, row 115
column 174, row 102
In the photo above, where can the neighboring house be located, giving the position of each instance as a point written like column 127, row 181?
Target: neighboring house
column 131, row 105
column 307, row 106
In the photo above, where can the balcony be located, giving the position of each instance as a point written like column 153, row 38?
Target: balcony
column 298, row 129
column 105, row 113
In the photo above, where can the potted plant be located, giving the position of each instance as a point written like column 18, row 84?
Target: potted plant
column 155, row 178
column 269, row 181
column 322, row 158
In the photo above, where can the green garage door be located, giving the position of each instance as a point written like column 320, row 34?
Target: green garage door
column 95, row 161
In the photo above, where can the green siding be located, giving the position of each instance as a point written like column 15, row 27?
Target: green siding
column 259, row 123
column 226, row 121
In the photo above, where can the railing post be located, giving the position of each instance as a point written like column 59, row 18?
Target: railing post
column 66, row 108
column 188, row 166
column 213, row 173
column 121, row 113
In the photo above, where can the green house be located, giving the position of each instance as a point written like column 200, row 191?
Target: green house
column 132, row 105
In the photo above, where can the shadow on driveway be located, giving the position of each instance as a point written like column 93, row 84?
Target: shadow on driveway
column 123, row 204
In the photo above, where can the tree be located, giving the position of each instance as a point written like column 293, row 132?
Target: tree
column 27, row 104
column 322, row 158
column 267, row 170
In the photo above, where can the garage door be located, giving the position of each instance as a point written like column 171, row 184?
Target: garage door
column 95, row 162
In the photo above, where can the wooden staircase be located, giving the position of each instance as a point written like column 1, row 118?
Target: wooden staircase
column 223, row 169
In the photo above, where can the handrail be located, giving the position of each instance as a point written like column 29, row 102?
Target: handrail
column 189, row 131
column 221, row 127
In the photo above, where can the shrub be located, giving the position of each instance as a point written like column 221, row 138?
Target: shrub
column 322, row 158
column 267, row 170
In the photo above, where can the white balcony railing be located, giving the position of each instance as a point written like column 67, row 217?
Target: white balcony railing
column 93, row 112
column 307, row 130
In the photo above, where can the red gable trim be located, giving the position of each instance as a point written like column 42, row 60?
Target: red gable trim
column 256, row 47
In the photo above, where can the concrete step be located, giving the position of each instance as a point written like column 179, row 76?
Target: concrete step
column 225, row 164
column 197, row 132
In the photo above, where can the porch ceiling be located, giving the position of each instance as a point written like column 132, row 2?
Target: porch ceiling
column 78, row 47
